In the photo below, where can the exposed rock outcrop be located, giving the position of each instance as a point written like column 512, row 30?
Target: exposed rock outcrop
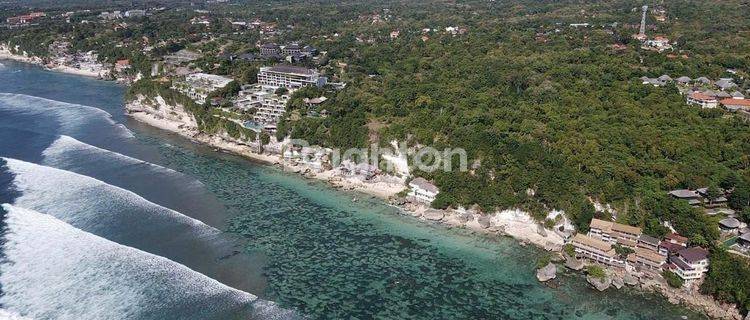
column 617, row 282
column 546, row 273
column 573, row 263
column 433, row 215
column 630, row 280
column 484, row 221
column 600, row 284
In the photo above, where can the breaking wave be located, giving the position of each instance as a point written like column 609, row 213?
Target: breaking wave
column 60, row 117
column 52, row 270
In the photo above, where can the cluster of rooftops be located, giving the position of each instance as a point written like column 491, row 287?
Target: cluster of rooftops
column 647, row 253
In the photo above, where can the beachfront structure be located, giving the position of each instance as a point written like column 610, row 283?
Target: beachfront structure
column 421, row 190
column 595, row 250
column 615, row 233
column 290, row 77
column 672, row 243
column 703, row 100
column 363, row 170
column 689, row 264
column 269, row 107
column 198, row 86
column 649, row 243
column 647, row 259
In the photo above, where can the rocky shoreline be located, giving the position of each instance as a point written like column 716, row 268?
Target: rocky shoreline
column 513, row 223
column 5, row 54
column 644, row 281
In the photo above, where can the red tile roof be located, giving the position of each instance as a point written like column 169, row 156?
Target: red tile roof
column 736, row 102
column 701, row 96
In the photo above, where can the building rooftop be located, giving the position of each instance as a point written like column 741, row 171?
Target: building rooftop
column 291, row 69
column 745, row 237
column 626, row 228
column 649, row 255
column 600, row 224
column 730, row 223
column 423, row 184
column 679, row 263
column 701, row 96
column 649, row 239
column 676, row 238
column 592, row 242
column 735, row 102
column 693, row 254
column 684, row 79
column 684, row 194
column 671, row 247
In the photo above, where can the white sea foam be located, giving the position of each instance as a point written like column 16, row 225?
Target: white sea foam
column 64, row 146
column 52, row 270
column 84, row 201
column 70, row 116
column 10, row 315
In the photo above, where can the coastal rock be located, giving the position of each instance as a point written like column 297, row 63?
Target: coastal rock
column 484, row 221
column 630, row 280
column 573, row 263
column 541, row 231
column 546, row 273
column 599, row 284
column 399, row 201
column 463, row 217
column 618, row 282
column 433, row 215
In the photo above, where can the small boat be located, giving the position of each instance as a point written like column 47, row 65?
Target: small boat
column 354, row 199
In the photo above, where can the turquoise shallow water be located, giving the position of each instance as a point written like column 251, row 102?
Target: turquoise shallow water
column 311, row 248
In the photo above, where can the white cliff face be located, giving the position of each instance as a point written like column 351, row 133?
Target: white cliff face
column 398, row 160
column 160, row 114
column 519, row 224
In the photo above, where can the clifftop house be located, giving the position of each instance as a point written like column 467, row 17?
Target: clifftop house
column 689, row 264
column 198, row 86
column 595, row 250
column 290, row 77
column 422, row 191
column 615, row 233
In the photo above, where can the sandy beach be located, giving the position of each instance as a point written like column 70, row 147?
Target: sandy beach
column 7, row 55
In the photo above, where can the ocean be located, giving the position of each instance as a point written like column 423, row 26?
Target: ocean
column 107, row 218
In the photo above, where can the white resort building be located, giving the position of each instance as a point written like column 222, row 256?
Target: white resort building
column 269, row 107
column 595, row 250
column 615, row 233
column 198, row 86
column 421, row 190
column 290, row 77
column 690, row 264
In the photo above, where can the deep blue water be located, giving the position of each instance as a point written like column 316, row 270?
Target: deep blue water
column 114, row 219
